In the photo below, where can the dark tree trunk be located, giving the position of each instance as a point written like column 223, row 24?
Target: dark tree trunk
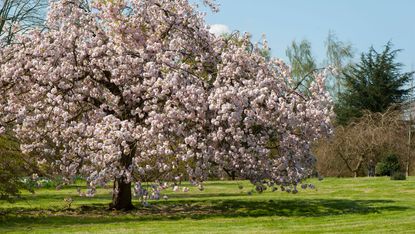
column 123, row 199
column 231, row 174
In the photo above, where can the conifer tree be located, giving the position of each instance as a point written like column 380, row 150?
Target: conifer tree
column 374, row 84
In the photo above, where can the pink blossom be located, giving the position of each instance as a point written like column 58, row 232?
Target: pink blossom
column 126, row 96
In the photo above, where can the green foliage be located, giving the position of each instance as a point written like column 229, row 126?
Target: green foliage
column 379, row 169
column 338, row 52
column 374, row 84
column 388, row 166
column 12, row 169
column 398, row 175
column 303, row 63
column 339, row 56
column 301, row 59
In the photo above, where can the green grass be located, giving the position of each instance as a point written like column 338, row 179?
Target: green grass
column 366, row 205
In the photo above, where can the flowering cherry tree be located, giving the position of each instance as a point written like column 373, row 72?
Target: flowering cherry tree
column 140, row 87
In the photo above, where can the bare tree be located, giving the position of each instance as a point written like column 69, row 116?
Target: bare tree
column 18, row 16
column 366, row 140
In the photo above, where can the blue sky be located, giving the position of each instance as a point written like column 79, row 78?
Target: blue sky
column 361, row 22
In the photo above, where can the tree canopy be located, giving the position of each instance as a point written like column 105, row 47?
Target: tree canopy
column 130, row 91
column 304, row 65
column 373, row 84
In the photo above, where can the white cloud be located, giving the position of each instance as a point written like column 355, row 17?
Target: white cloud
column 219, row 29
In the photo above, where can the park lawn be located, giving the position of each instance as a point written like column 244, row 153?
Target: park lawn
column 349, row 205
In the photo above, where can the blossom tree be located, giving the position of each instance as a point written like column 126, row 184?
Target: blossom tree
column 133, row 88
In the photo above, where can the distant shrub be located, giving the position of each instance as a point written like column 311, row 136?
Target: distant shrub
column 379, row 170
column 398, row 175
column 12, row 168
column 388, row 166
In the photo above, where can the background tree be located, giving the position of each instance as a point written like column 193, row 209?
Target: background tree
column 374, row 84
column 301, row 59
column 12, row 168
column 363, row 143
column 19, row 16
column 302, row 63
column 339, row 56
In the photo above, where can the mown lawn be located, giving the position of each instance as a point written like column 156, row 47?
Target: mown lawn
column 367, row 205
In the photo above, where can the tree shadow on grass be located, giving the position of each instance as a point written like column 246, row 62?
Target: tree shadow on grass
column 108, row 196
column 56, row 201
column 195, row 209
column 285, row 208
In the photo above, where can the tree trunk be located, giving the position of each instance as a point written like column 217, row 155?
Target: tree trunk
column 123, row 199
column 359, row 164
column 408, row 158
column 407, row 167
column 231, row 174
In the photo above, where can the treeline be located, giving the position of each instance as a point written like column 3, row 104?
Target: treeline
column 373, row 107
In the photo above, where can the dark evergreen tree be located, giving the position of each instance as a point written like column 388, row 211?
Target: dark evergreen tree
column 373, row 84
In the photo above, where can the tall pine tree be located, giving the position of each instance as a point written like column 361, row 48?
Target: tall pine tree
column 373, row 84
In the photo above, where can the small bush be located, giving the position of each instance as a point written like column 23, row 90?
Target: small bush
column 12, row 168
column 398, row 176
column 388, row 166
column 379, row 169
